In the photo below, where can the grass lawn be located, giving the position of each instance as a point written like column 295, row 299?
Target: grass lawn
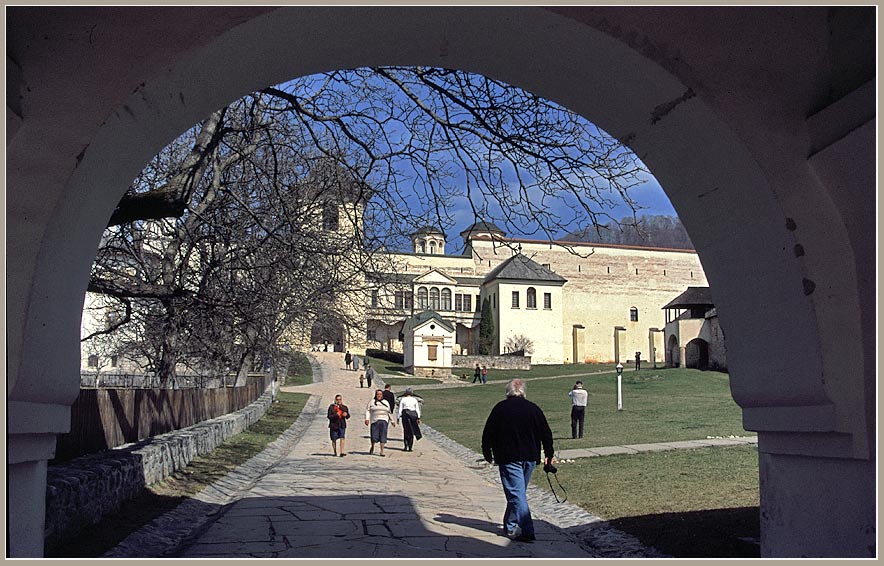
column 685, row 503
column 401, row 381
column 201, row 472
column 552, row 370
column 658, row 405
column 299, row 372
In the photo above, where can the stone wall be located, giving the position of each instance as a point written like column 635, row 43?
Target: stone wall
column 82, row 491
column 497, row 362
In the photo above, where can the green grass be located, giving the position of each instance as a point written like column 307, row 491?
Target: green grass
column 658, row 406
column 552, row 370
column 299, row 371
column 661, row 482
column 400, row 381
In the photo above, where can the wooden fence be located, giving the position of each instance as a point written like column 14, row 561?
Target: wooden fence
column 105, row 418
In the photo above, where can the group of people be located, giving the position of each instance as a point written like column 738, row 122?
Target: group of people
column 480, row 374
column 516, row 432
column 378, row 417
column 352, row 362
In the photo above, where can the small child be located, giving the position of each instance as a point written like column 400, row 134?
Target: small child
column 361, row 380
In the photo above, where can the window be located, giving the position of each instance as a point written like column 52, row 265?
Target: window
column 494, row 300
column 432, row 247
column 422, row 298
column 399, row 299
column 478, row 303
column 374, row 298
column 372, row 335
column 458, row 302
column 547, row 301
column 93, row 361
column 515, row 299
column 532, row 298
column 633, row 314
column 409, row 300
column 434, row 298
column 446, row 299
column 467, row 307
column 431, row 352
column 423, row 247
column 330, row 217
column 114, row 361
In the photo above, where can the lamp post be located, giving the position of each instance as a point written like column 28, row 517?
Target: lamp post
column 619, row 386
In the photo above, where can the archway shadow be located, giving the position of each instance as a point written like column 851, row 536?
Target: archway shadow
column 713, row 533
column 373, row 525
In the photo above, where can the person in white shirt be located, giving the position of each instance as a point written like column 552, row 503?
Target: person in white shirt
column 378, row 415
column 410, row 415
column 579, row 397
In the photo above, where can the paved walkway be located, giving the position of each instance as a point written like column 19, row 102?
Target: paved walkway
column 297, row 500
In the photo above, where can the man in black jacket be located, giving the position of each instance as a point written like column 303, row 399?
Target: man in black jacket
column 513, row 435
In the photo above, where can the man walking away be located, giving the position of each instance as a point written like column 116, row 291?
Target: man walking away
column 410, row 415
column 578, row 396
column 513, row 435
column 348, row 359
column 388, row 395
column 477, row 375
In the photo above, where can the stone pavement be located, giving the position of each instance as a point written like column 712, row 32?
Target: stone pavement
column 297, row 500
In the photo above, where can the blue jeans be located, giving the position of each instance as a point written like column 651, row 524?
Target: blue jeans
column 515, row 477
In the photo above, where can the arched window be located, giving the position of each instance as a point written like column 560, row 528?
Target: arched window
column 432, row 247
column 423, row 246
column 422, row 298
column 446, row 299
column 532, row 298
column 633, row 314
column 434, row 298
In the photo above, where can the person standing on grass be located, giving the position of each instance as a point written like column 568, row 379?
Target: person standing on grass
column 484, row 374
column 378, row 416
column 579, row 397
column 477, row 375
column 338, row 413
column 512, row 438
column 348, row 359
column 410, row 415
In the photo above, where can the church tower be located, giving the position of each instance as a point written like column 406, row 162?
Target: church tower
column 429, row 240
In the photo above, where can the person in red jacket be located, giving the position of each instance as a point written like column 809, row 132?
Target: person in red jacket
column 338, row 413
column 512, row 438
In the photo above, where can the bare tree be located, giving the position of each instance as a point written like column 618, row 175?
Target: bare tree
column 519, row 343
column 260, row 217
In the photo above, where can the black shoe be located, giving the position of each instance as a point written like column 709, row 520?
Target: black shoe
column 525, row 538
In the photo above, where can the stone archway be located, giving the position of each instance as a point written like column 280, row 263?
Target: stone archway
column 767, row 221
column 673, row 353
column 696, row 354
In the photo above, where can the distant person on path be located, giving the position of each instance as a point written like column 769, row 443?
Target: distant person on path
column 638, row 361
column 513, row 435
column 369, row 374
column 378, row 416
column 410, row 415
column 362, row 381
column 477, row 375
column 578, row 396
column 348, row 359
column 338, row 413
column 484, row 374
column 388, row 395
column 356, row 365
